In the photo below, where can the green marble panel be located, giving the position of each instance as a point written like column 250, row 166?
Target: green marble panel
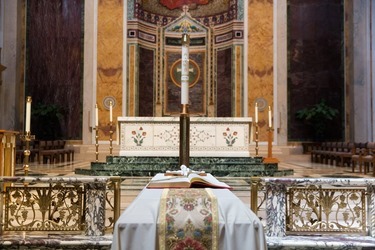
column 149, row 166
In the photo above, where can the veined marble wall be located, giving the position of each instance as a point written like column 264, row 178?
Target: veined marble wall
column 109, row 61
column 260, row 61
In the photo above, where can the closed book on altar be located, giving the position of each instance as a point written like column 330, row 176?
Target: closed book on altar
column 191, row 181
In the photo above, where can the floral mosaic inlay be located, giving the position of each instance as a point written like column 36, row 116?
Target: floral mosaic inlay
column 138, row 136
column 230, row 137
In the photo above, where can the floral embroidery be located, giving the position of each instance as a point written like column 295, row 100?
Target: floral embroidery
column 138, row 136
column 188, row 220
column 189, row 243
column 189, row 204
column 230, row 138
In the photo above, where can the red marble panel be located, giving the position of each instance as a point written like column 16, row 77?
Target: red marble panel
column 224, row 83
column 146, row 83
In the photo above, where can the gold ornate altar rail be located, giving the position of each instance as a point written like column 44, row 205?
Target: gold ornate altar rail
column 84, row 204
column 306, row 206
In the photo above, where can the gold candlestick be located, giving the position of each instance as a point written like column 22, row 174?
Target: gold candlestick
column 269, row 158
column 110, row 138
column 96, row 144
column 27, row 137
column 184, row 136
column 256, row 139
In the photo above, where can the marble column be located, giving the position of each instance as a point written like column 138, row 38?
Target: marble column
column 363, row 90
column 89, row 71
column 95, row 208
column 12, row 38
column 280, row 114
column 276, row 209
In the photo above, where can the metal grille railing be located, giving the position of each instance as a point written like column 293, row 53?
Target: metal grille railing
column 315, row 205
column 89, row 204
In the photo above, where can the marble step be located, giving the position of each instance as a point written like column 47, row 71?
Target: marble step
column 88, row 151
column 151, row 165
column 150, row 173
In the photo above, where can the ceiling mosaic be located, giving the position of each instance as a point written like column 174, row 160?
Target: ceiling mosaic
column 197, row 8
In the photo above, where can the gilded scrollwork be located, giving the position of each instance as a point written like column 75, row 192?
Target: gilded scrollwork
column 317, row 209
column 43, row 208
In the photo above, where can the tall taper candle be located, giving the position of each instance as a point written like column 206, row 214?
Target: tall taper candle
column 96, row 115
column 28, row 114
column 110, row 112
column 256, row 112
column 269, row 117
column 185, row 69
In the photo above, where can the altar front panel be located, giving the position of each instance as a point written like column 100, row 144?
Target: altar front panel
column 159, row 136
column 239, row 227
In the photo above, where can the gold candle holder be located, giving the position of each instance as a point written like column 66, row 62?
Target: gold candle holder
column 96, row 144
column 184, row 136
column 27, row 137
column 110, row 138
column 269, row 158
column 256, row 139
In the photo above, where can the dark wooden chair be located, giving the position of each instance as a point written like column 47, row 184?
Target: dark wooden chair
column 343, row 154
column 326, row 154
column 317, row 152
column 368, row 158
column 47, row 153
column 360, row 149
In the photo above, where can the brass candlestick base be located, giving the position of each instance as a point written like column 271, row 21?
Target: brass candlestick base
column 256, row 139
column 269, row 158
column 27, row 137
column 96, row 144
column 184, row 136
column 110, row 138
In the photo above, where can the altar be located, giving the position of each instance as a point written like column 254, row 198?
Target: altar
column 209, row 136
column 238, row 226
column 150, row 145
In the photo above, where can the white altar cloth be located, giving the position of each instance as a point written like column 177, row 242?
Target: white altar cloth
column 239, row 227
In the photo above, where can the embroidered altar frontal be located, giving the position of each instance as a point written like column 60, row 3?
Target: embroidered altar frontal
column 188, row 219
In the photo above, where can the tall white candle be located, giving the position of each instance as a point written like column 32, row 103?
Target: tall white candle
column 185, row 69
column 269, row 117
column 96, row 115
column 28, row 114
column 256, row 112
column 110, row 111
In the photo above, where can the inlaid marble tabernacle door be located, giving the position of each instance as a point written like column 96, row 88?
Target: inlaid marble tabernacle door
column 159, row 136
